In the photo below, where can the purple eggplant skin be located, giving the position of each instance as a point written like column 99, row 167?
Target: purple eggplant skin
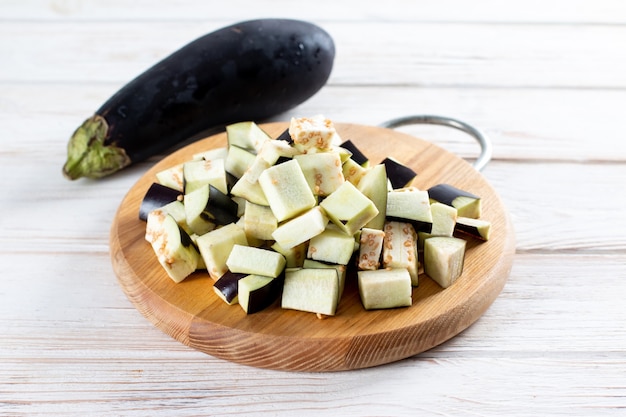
column 252, row 70
column 357, row 156
column 399, row 175
column 285, row 136
column 264, row 297
column 227, row 286
column 156, row 197
column 446, row 193
column 220, row 207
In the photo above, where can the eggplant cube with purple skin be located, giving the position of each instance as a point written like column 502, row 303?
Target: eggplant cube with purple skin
column 227, row 287
column 400, row 175
column 257, row 292
column 348, row 208
column 410, row 205
column 206, row 207
column 173, row 247
column 466, row 203
column 478, row 228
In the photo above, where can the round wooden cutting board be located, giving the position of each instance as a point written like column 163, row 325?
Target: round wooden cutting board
column 354, row 338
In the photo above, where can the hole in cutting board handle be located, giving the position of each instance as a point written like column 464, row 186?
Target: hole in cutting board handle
column 481, row 138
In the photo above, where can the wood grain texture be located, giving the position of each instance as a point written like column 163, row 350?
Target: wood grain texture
column 289, row 340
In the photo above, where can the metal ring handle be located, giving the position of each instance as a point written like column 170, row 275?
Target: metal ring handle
column 481, row 138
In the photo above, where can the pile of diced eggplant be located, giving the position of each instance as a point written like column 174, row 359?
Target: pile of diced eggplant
column 285, row 218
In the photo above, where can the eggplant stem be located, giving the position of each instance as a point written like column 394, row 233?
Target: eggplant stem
column 89, row 156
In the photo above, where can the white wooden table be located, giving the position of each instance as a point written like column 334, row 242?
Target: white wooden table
column 546, row 80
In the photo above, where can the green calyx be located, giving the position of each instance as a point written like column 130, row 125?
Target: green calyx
column 87, row 154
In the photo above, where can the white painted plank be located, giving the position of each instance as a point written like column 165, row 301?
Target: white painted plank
column 378, row 53
column 483, row 11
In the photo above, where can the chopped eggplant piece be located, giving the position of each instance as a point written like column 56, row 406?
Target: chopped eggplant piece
column 211, row 154
column 312, row 134
column 311, row 290
column 400, row 248
column 215, row 246
column 286, row 190
column 300, row 229
column 370, row 248
column 348, row 208
column 466, row 203
column 207, row 207
column 201, row 172
column 173, row 247
column 246, row 135
column 410, row 205
column 295, row 256
column 273, row 151
column 176, row 209
column 478, row 228
column 238, row 161
column 341, row 272
column 443, row 259
column 444, row 219
column 373, row 185
column 357, row 155
column 257, row 292
column 156, row 197
column 249, row 189
column 322, row 171
column 227, row 287
column 385, row 288
column 259, row 221
column 256, row 261
column 352, row 171
column 332, row 246
column 172, row 177
column 400, row 175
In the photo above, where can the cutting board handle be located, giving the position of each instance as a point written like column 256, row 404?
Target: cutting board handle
column 481, row 138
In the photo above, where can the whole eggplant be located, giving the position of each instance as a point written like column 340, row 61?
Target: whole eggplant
column 247, row 71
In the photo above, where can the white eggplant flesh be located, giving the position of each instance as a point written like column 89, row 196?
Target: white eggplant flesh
column 385, row 288
column 311, row 290
column 443, row 259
